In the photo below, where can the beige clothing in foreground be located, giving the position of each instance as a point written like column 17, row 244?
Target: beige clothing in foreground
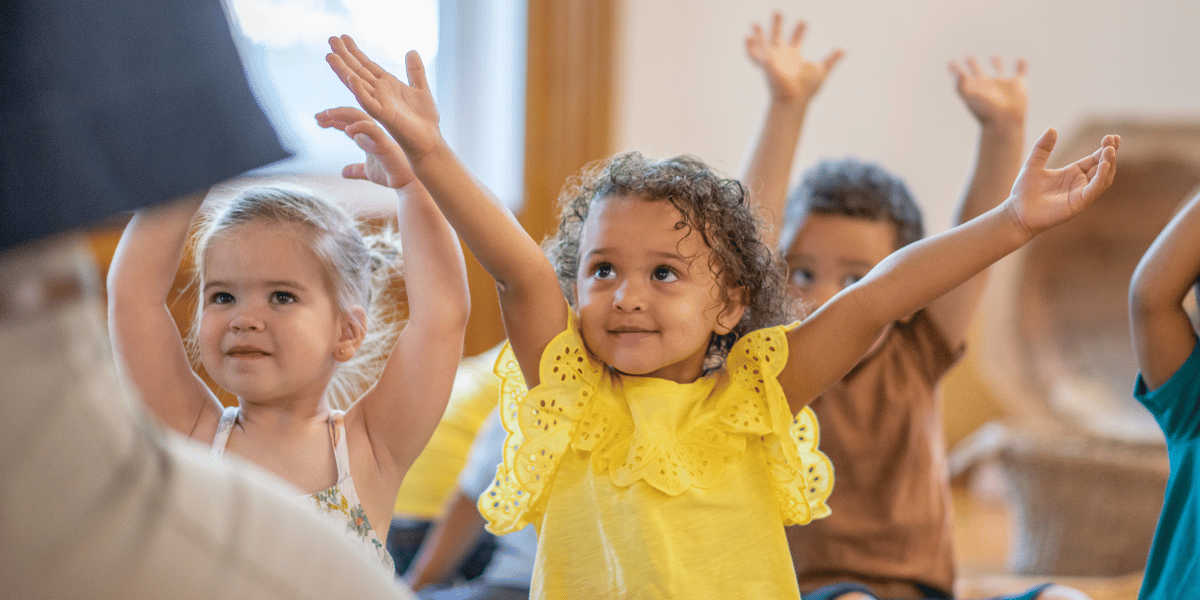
column 881, row 426
column 100, row 502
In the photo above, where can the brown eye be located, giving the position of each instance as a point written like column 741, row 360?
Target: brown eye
column 664, row 274
column 283, row 297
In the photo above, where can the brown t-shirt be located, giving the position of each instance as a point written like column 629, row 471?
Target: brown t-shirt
column 881, row 426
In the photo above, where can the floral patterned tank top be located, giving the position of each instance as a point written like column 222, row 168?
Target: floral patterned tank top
column 339, row 503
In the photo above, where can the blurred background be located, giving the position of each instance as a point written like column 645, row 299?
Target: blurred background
column 529, row 92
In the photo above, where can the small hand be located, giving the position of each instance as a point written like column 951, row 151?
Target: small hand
column 385, row 163
column 993, row 99
column 1042, row 198
column 791, row 77
column 406, row 110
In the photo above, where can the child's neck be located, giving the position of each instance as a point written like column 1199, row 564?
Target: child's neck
column 283, row 415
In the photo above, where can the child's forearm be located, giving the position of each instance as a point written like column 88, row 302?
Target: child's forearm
column 768, row 171
column 834, row 338
column 997, row 162
column 434, row 270
column 147, row 346
column 448, row 543
column 148, row 255
column 486, row 225
column 915, row 275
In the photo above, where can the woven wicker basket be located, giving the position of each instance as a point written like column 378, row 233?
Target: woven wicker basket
column 1080, row 505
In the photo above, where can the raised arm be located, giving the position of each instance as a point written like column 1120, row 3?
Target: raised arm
column 1163, row 337
column 401, row 410
column 532, row 304
column 449, row 541
column 793, row 81
column 998, row 101
column 831, row 341
column 146, row 341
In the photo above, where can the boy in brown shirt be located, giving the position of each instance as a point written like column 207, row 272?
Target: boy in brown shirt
column 890, row 532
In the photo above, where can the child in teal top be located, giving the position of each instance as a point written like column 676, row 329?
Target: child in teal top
column 1169, row 386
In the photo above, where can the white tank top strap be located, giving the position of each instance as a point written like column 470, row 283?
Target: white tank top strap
column 228, row 419
column 337, row 434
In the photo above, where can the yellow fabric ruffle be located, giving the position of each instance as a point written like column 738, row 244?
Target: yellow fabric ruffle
column 575, row 407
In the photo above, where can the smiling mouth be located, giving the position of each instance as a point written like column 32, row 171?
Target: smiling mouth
column 629, row 330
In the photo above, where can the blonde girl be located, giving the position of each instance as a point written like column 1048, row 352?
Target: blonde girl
column 286, row 286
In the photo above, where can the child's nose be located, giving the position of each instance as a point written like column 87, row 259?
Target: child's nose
column 245, row 320
column 629, row 297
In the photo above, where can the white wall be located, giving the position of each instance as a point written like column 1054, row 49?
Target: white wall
column 685, row 85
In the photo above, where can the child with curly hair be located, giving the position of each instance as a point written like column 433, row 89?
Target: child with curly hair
column 649, row 469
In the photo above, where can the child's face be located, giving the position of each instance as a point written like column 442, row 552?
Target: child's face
column 269, row 326
column 833, row 252
column 648, row 300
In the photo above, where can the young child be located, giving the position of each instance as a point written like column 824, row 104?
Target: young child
column 647, row 473
column 286, row 287
column 890, row 532
column 1164, row 340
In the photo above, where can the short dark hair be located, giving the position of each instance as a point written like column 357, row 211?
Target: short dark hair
column 853, row 188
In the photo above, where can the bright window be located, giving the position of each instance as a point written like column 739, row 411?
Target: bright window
column 474, row 52
column 284, row 43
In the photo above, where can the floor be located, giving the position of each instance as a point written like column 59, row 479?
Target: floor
column 981, row 534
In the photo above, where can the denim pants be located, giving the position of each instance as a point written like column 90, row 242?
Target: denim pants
column 98, row 501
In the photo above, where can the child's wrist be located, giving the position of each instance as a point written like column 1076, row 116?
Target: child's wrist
column 793, row 110
column 994, row 132
column 1020, row 231
column 1002, row 124
column 792, row 103
column 439, row 147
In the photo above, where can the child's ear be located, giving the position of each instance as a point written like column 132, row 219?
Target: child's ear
column 354, row 331
column 731, row 315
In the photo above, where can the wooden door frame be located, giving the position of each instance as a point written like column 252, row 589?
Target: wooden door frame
column 568, row 123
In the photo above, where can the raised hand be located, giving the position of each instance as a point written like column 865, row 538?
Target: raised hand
column 995, row 98
column 406, row 110
column 1042, row 198
column 385, row 163
column 790, row 76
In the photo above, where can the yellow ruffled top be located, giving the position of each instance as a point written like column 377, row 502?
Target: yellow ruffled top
column 660, row 489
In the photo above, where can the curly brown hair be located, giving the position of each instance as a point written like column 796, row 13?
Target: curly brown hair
column 714, row 206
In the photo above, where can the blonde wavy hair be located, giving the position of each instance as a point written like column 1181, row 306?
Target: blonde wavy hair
column 360, row 270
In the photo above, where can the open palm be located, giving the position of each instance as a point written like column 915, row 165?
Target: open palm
column 407, row 110
column 790, row 75
column 992, row 98
column 1043, row 198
